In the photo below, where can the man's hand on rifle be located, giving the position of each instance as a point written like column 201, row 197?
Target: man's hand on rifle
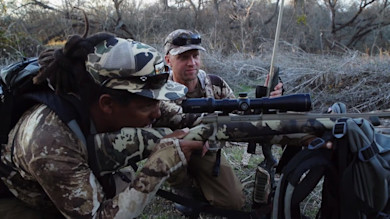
column 187, row 146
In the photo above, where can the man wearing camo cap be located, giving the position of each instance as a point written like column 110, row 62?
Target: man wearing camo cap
column 182, row 54
column 51, row 171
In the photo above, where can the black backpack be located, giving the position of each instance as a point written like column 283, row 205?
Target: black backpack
column 355, row 173
column 18, row 93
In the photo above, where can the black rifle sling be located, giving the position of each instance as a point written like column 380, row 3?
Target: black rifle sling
column 216, row 81
column 217, row 164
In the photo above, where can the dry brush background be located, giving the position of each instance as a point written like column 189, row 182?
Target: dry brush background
column 362, row 82
column 340, row 58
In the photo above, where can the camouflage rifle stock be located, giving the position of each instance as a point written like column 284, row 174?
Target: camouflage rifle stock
column 277, row 128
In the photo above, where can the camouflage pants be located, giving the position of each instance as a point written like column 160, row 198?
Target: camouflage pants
column 223, row 191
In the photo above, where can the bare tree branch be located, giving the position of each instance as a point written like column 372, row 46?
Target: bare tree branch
column 42, row 5
column 120, row 25
column 273, row 14
column 362, row 6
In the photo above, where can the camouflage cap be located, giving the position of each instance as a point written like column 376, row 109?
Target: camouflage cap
column 180, row 41
column 132, row 66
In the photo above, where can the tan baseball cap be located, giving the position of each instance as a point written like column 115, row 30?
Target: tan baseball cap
column 180, row 41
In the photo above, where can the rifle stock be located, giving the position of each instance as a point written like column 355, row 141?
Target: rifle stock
column 270, row 128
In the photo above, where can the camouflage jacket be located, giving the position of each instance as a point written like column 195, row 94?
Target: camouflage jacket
column 218, row 90
column 49, row 166
column 172, row 115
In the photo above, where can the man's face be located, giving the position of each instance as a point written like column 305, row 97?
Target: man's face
column 185, row 66
column 140, row 112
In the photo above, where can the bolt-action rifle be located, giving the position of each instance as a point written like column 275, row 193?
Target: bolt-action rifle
column 290, row 125
column 294, row 121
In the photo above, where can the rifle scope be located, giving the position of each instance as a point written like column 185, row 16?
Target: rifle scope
column 294, row 102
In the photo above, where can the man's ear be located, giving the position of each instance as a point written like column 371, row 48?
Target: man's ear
column 106, row 103
column 167, row 59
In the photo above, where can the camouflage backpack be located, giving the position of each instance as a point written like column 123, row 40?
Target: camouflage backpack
column 355, row 173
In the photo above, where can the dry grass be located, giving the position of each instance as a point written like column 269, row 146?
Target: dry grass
column 360, row 81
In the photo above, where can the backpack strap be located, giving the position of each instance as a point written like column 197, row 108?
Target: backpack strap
column 215, row 80
column 68, row 108
column 73, row 112
column 292, row 189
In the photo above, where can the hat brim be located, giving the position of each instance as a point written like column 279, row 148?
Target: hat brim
column 181, row 49
column 169, row 91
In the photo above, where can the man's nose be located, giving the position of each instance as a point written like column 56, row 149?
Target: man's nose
column 191, row 61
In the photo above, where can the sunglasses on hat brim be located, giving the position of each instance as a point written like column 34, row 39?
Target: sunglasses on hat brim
column 186, row 39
